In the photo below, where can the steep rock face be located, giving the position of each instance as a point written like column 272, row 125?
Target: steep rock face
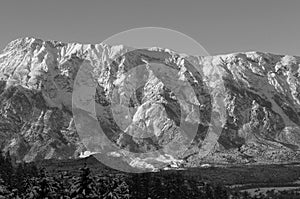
column 168, row 103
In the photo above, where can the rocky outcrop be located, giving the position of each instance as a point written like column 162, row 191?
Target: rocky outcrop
column 239, row 108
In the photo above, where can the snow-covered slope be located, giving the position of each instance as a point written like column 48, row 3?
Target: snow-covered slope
column 241, row 107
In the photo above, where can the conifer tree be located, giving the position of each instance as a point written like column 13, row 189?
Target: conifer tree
column 83, row 186
column 6, row 168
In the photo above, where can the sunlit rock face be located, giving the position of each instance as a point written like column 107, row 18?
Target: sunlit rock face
column 235, row 108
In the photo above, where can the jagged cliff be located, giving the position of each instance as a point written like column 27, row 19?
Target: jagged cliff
column 238, row 108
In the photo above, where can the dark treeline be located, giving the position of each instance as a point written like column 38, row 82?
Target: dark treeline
column 27, row 181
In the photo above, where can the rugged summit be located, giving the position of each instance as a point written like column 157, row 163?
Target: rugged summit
column 236, row 108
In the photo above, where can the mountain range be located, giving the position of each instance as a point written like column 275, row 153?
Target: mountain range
column 147, row 106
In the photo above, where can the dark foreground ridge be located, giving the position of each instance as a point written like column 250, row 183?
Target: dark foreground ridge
column 87, row 178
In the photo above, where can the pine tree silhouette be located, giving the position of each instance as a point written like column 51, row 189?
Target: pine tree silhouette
column 6, row 168
column 44, row 184
column 83, row 186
